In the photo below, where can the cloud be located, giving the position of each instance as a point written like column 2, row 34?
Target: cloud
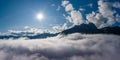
column 81, row 9
column 73, row 16
column 97, row 19
column 69, row 7
column 27, row 33
column 90, row 5
column 58, row 8
column 116, row 5
column 106, row 12
column 31, row 30
column 64, row 3
column 118, row 18
column 105, row 15
column 53, row 5
column 60, row 28
column 71, row 47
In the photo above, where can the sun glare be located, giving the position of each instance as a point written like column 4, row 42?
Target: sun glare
column 40, row 16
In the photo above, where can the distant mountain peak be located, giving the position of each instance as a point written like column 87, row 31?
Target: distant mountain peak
column 90, row 28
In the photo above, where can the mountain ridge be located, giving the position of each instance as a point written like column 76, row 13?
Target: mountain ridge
column 92, row 29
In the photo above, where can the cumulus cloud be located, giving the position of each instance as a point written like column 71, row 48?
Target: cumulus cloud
column 71, row 47
column 60, row 28
column 106, row 12
column 69, row 7
column 73, row 16
column 97, row 19
column 64, row 3
column 105, row 15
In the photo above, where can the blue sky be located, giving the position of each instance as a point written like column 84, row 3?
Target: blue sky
column 16, row 14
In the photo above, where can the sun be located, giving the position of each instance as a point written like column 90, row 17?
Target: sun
column 40, row 16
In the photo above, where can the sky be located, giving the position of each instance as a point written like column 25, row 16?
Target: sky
column 17, row 14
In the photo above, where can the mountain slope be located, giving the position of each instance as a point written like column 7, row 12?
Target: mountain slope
column 92, row 29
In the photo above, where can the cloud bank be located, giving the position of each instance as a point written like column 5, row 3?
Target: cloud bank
column 71, row 47
column 29, row 33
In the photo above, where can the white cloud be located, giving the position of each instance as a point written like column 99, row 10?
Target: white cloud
column 60, row 28
column 71, row 47
column 64, row 3
column 116, row 5
column 97, row 19
column 28, row 29
column 28, row 32
column 90, row 5
column 106, row 11
column 118, row 18
column 58, row 8
column 74, row 16
column 53, row 5
column 81, row 9
column 105, row 15
column 69, row 7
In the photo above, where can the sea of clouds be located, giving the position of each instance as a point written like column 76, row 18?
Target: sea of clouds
column 62, row 47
